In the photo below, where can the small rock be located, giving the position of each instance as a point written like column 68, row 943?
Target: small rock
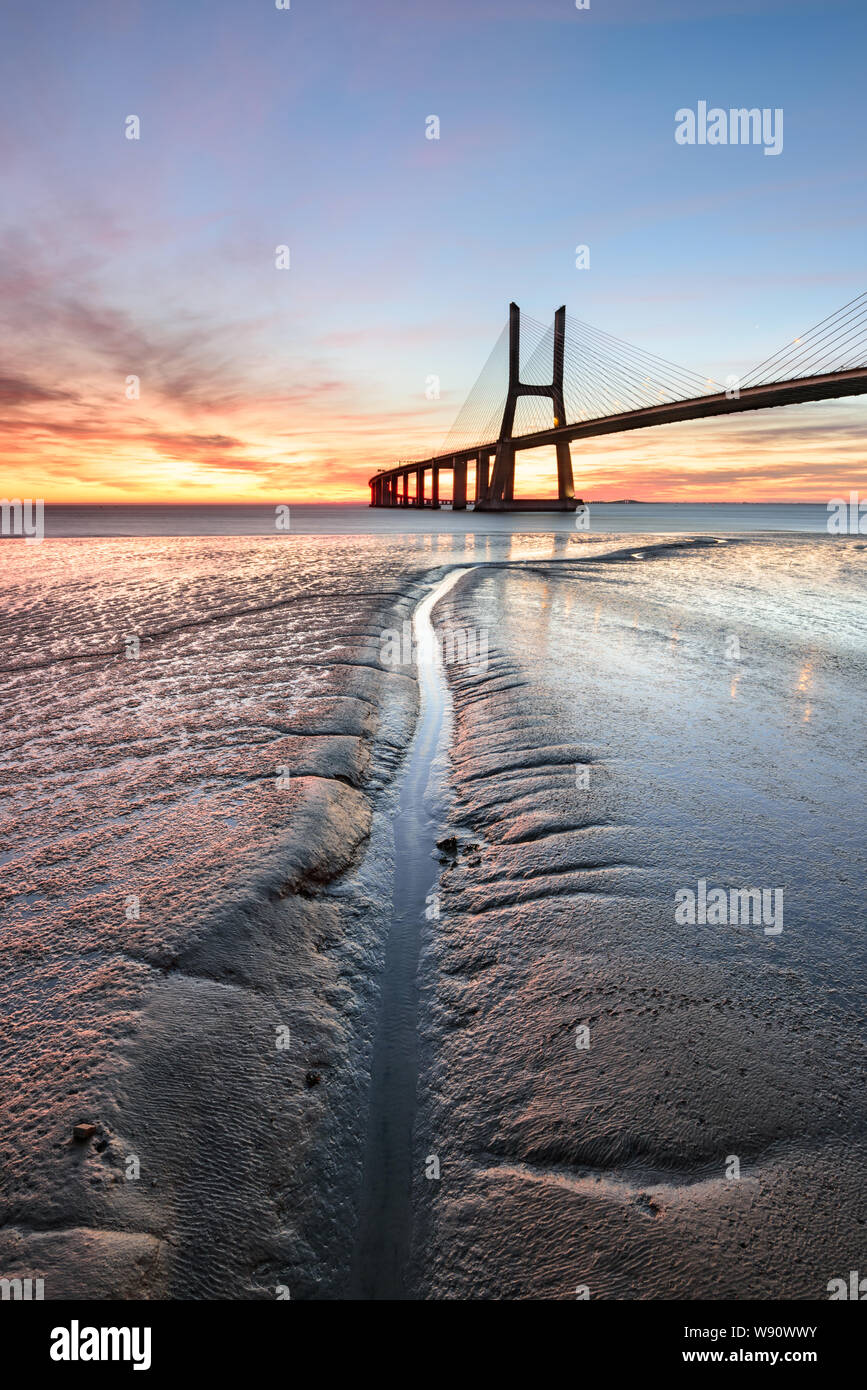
column 81, row 1133
column 312, row 1078
column 647, row 1204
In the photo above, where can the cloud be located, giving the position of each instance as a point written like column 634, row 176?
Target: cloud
column 19, row 390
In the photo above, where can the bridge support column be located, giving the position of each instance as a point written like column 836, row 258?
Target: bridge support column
column 565, row 480
column 459, row 486
column 502, row 485
column 495, row 479
column 503, row 481
column 482, row 483
column 501, row 489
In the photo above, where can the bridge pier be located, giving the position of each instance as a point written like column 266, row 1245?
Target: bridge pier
column 565, row 480
column 509, row 483
column 501, row 493
column 482, row 479
column 495, row 485
column 459, row 486
column 503, row 471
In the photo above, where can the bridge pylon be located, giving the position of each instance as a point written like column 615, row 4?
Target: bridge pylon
column 500, row 493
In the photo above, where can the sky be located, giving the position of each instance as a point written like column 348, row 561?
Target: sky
column 156, row 258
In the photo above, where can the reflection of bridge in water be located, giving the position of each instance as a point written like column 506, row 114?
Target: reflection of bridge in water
column 606, row 386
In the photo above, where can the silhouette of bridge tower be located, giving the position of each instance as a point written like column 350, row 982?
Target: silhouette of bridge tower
column 500, row 493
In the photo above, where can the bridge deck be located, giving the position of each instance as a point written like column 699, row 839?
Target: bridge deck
column 829, row 386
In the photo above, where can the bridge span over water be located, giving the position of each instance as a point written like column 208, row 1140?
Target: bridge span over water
column 609, row 387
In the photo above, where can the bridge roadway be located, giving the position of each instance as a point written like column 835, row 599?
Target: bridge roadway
column 384, row 490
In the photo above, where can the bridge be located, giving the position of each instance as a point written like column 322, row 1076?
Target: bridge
column 598, row 385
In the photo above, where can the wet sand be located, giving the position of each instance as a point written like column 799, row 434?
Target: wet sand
column 227, row 1037
column 611, row 754
column 219, row 1039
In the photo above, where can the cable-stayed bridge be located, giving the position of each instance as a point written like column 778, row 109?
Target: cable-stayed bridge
column 550, row 385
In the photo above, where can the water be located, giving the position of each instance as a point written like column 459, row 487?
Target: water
column 386, row 1219
column 251, row 519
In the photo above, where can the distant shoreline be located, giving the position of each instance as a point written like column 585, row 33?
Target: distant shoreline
column 271, row 503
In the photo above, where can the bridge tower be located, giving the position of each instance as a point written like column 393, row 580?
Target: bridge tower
column 501, row 490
